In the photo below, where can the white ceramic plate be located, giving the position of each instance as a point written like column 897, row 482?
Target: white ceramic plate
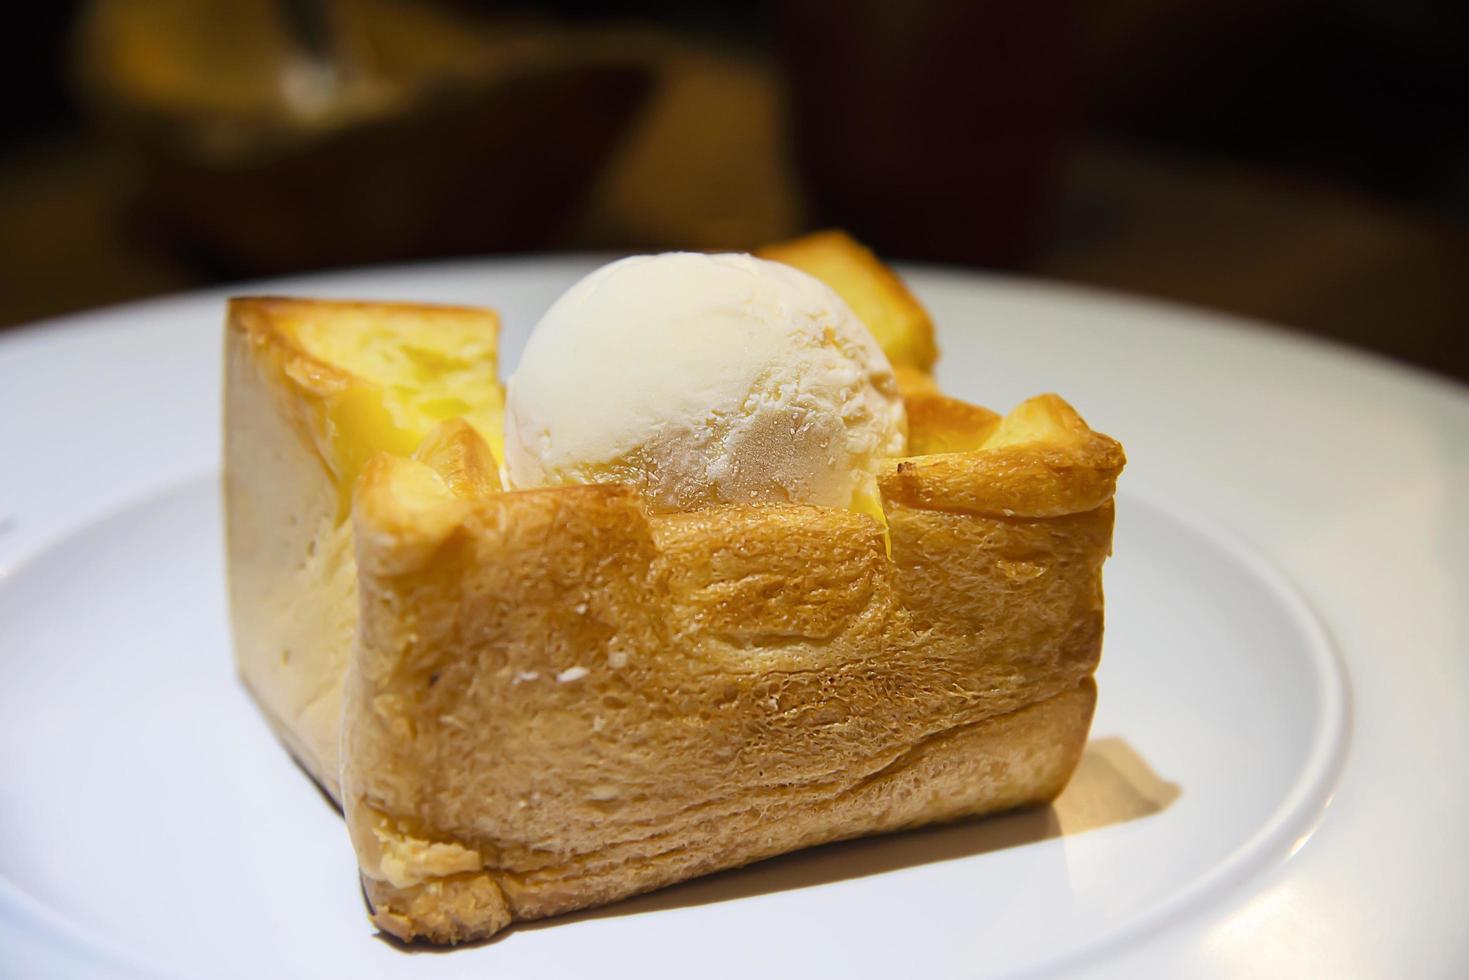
column 1276, row 780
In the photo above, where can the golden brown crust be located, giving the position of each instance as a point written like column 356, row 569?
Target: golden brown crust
column 1019, row 482
column 556, row 698
column 586, row 699
column 915, row 381
column 1012, row 760
column 1041, row 460
column 275, row 308
column 940, row 424
column 461, row 459
column 874, row 292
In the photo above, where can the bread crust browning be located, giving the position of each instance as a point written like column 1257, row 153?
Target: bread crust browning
column 873, row 290
column 535, row 701
column 558, row 698
column 1018, row 759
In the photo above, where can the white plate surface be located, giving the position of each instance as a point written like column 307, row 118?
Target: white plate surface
column 1276, row 777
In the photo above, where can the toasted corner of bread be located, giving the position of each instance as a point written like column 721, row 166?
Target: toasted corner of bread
column 873, row 290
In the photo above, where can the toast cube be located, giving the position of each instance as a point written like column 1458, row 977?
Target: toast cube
column 534, row 701
column 873, row 291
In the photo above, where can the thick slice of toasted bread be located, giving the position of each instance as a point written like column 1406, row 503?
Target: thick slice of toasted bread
column 555, row 698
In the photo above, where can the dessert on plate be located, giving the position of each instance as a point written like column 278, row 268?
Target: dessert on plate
column 723, row 575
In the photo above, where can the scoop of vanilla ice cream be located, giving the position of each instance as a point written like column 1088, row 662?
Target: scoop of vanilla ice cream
column 702, row 380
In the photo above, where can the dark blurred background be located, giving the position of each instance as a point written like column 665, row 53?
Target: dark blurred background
column 1303, row 162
